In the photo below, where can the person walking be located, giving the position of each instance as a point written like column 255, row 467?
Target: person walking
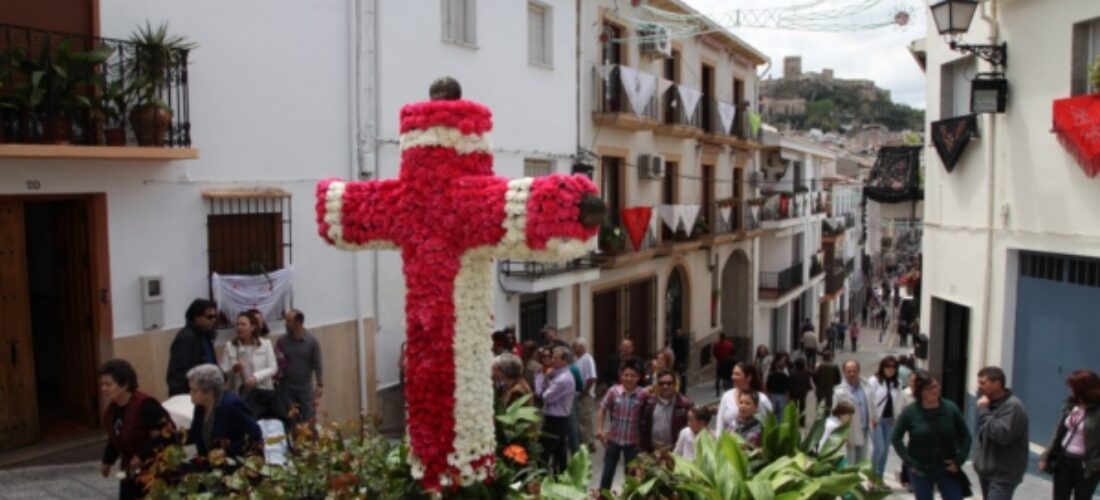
column 886, row 395
column 826, row 376
column 586, row 400
column 809, row 346
column 556, row 387
column 623, row 405
column 857, row 391
column 763, row 361
column 681, row 349
column 830, row 336
column 778, row 384
column 800, row 386
column 938, row 441
column 302, row 382
column 193, row 344
column 723, row 356
column 853, row 332
column 746, row 377
column 841, row 333
column 137, row 427
column 664, row 414
column 1073, row 455
column 250, row 366
column 1001, row 438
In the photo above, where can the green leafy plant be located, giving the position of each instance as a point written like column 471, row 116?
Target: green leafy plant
column 572, row 483
column 55, row 83
column 1094, row 74
column 612, row 238
column 155, row 53
column 111, row 105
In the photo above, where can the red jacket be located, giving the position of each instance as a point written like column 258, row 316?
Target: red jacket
column 130, row 439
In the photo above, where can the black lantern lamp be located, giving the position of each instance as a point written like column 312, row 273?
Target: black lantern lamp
column 989, row 91
column 584, row 168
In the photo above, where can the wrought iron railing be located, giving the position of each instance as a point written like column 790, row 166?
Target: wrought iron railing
column 673, row 112
column 834, row 279
column 533, row 269
column 816, row 266
column 73, row 89
column 610, row 97
column 775, row 284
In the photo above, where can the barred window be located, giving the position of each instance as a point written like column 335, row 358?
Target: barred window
column 537, row 168
column 248, row 232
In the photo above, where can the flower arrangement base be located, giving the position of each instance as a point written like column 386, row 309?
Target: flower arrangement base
column 450, row 217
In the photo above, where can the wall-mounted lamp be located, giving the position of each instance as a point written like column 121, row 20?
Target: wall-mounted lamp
column 989, row 91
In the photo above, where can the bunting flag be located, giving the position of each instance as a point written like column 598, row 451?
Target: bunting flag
column 605, row 71
column 653, row 218
column 663, row 85
column 726, row 212
column 951, row 136
column 690, row 97
column 668, row 215
column 687, row 215
column 639, row 87
column 726, row 112
column 754, row 211
column 636, row 220
column 1077, row 123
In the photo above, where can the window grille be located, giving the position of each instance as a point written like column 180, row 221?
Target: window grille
column 248, row 233
column 537, row 168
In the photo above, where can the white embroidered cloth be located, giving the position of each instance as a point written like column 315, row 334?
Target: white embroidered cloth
column 690, row 97
column 269, row 293
column 639, row 87
column 726, row 112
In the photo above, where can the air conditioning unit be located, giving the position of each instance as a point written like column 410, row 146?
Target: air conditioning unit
column 651, row 166
column 656, row 39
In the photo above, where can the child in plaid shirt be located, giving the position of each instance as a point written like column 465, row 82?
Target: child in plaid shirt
column 623, row 403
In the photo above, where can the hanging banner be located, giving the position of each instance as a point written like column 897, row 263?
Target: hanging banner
column 727, row 112
column 895, row 176
column 269, row 293
column 690, row 97
column 726, row 212
column 687, row 215
column 668, row 215
column 951, row 136
column 639, row 87
column 605, row 71
column 1077, row 123
column 636, row 220
column 663, row 85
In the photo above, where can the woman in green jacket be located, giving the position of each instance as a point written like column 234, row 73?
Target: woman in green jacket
column 1074, row 454
column 939, row 441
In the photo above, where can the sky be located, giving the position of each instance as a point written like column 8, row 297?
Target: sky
column 879, row 54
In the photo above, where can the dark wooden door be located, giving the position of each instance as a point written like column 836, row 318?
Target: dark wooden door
column 611, row 169
column 71, row 238
column 956, row 328
column 18, row 403
column 605, row 325
column 641, row 318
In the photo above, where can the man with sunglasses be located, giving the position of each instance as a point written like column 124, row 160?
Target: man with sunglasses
column 193, row 345
column 664, row 414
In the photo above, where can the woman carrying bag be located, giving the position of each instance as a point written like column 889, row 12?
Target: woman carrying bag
column 1074, row 454
column 939, row 442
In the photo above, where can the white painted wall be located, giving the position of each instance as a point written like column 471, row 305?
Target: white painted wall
column 1051, row 205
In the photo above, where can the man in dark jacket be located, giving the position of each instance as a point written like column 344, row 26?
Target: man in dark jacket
column 1002, row 437
column 193, row 345
column 663, row 415
column 826, row 376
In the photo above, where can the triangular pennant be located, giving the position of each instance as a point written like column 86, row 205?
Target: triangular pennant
column 726, row 112
column 690, row 97
column 951, row 136
column 653, row 217
column 668, row 215
column 688, row 215
column 639, row 87
column 726, row 212
column 605, row 71
column 1077, row 123
column 663, row 85
column 636, row 220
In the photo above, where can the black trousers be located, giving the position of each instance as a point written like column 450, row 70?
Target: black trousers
column 555, row 442
column 1071, row 482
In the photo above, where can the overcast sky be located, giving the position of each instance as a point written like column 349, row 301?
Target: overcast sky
column 880, row 54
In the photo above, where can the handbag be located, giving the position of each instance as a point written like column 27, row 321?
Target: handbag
column 964, row 483
column 1055, row 454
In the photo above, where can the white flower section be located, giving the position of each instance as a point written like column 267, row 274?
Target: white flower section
column 473, row 351
column 334, row 208
column 447, row 137
column 514, row 243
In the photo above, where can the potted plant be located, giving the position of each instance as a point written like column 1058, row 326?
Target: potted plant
column 156, row 53
column 612, row 239
column 110, row 109
column 55, row 83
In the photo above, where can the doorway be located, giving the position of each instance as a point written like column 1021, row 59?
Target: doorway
column 956, row 346
column 53, row 268
column 675, row 303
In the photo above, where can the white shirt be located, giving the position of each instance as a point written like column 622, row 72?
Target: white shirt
column 264, row 364
column 587, row 367
column 728, row 411
column 685, row 444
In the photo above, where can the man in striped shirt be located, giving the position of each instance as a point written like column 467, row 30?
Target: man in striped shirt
column 623, row 403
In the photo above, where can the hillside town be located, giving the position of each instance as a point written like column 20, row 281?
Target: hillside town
column 547, row 249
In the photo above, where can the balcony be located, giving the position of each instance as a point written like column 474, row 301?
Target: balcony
column 834, row 278
column 73, row 96
column 612, row 107
column 774, row 285
column 738, row 134
column 816, row 267
column 849, row 220
column 833, row 230
column 674, row 119
column 524, row 276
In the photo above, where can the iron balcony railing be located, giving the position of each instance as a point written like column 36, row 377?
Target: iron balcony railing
column 532, row 269
column 775, row 284
column 673, row 112
column 816, row 267
column 610, row 97
column 73, row 89
column 737, row 210
column 834, row 279
column 849, row 220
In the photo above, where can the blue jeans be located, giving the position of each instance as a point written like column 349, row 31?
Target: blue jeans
column 611, row 460
column 880, row 440
column 997, row 490
column 778, row 401
column 923, row 486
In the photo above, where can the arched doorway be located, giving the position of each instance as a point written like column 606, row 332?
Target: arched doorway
column 676, row 303
column 736, row 299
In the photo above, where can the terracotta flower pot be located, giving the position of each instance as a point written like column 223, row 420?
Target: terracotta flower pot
column 57, row 130
column 115, row 136
column 150, row 125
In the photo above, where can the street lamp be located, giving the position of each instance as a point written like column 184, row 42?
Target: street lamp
column 989, row 91
column 953, row 17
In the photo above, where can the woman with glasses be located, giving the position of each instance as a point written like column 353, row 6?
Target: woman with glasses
column 886, row 396
column 938, row 441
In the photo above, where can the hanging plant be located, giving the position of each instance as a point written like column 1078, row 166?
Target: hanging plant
column 612, row 238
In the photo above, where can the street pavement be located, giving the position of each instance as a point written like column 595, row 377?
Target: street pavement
column 82, row 480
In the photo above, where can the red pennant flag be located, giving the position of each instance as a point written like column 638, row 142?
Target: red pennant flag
column 636, row 220
column 1077, row 122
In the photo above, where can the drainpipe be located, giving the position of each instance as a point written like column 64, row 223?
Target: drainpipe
column 577, row 56
column 355, row 163
column 989, row 142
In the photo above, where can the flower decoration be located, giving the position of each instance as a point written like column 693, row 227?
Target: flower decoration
column 450, row 216
column 516, row 453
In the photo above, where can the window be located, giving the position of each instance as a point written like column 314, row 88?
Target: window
column 610, row 176
column 540, row 35
column 537, row 168
column 707, row 188
column 460, row 22
column 955, row 87
column 247, row 235
column 1086, row 48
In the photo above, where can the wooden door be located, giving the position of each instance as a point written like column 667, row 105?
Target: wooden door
column 19, row 407
column 605, row 326
column 641, row 319
column 78, row 395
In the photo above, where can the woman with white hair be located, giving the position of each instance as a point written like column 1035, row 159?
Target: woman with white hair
column 221, row 419
column 508, row 372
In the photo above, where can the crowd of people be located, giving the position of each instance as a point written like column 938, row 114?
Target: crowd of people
column 255, row 384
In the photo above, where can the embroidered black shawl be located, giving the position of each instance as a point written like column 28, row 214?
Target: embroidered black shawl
column 895, row 176
column 951, row 136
